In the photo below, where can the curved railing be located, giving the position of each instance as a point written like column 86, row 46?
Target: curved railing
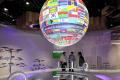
column 14, row 74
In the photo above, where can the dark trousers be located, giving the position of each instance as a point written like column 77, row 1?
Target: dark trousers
column 63, row 66
column 80, row 78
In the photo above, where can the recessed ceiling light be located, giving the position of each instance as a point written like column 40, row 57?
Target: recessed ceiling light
column 27, row 3
column 5, row 9
column 13, row 20
column 11, row 16
column 98, row 10
column 111, row 25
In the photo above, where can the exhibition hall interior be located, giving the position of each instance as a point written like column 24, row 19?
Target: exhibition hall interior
column 59, row 39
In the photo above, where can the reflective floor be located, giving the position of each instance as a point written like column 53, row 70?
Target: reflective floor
column 90, row 77
column 37, row 75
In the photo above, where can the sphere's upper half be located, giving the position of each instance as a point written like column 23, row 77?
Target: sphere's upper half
column 64, row 22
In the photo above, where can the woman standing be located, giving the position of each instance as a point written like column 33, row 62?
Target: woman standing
column 81, row 59
column 63, row 61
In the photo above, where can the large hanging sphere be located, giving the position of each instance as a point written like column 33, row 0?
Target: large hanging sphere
column 64, row 22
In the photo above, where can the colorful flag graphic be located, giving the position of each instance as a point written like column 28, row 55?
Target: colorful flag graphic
column 44, row 24
column 63, row 14
column 75, row 3
column 49, row 22
column 56, row 21
column 41, row 17
column 45, row 17
column 53, row 15
column 73, row 14
column 62, row 8
column 81, row 22
column 71, row 30
column 80, row 9
column 69, row 2
column 56, row 30
column 61, row 2
column 79, row 1
column 52, row 10
column 72, row 8
column 64, row 20
column 72, row 3
column 52, row 2
column 45, row 12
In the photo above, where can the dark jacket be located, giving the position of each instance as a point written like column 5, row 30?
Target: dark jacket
column 81, row 61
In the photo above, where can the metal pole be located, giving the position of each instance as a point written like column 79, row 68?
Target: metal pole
column 72, row 65
column 10, row 61
column 58, row 64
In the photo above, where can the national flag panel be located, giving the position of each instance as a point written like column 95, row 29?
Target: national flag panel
column 69, row 2
column 62, row 14
column 75, row 3
column 63, row 8
column 72, row 3
column 52, row 2
column 63, row 2
column 79, row 1
column 53, row 15
column 54, row 9
column 80, row 9
column 56, row 21
column 72, row 8
column 64, row 20
column 73, row 14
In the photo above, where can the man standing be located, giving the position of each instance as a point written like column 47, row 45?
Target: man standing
column 71, row 61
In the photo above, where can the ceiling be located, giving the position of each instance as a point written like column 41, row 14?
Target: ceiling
column 95, row 7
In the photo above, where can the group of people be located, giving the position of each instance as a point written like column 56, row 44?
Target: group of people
column 70, row 61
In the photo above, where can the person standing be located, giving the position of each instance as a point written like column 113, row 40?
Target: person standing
column 81, row 59
column 71, row 61
column 63, row 61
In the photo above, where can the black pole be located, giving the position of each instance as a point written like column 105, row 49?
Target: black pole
column 10, row 68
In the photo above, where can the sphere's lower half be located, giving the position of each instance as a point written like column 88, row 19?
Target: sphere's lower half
column 64, row 22
column 64, row 34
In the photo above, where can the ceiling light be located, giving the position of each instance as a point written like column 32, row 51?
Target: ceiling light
column 27, row 3
column 11, row 16
column 98, row 10
column 13, row 20
column 5, row 9
column 111, row 25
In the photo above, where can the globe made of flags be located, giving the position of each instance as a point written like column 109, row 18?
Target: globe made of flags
column 64, row 22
